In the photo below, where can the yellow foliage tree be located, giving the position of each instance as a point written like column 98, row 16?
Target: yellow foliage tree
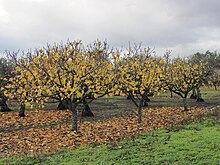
column 67, row 72
column 140, row 76
column 183, row 76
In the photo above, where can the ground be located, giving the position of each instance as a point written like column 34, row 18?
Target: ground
column 49, row 130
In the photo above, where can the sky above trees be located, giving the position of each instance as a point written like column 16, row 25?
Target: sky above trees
column 183, row 26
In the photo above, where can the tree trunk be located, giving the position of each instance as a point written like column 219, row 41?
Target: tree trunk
column 171, row 94
column 3, row 104
column 193, row 95
column 86, row 110
column 199, row 96
column 145, row 103
column 145, row 100
column 140, row 110
column 63, row 105
column 4, row 108
column 75, row 120
column 130, row 96
column 185, row 104
column 22, row 110
column 72, row 107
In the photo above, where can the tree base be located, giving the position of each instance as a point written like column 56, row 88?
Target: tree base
column 87, row 114
column 193, row 97
column 21, row 115
column 62, row 105
column 200, row 100
column 129, row 97
column 4, row 109
column 22, row 111
column 145, row 104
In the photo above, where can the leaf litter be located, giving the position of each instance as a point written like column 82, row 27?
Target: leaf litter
column 53, row 138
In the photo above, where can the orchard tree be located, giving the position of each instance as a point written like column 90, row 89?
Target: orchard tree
column 215, row 79
column 101, row 52
column 21, row 86
column 196, row 94
column 212, row 60
column 6, row 67
column 184, row 75
column 63, row 72
column 140, row 76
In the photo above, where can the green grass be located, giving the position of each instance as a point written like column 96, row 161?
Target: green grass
column 190, row 144
column 210, row 91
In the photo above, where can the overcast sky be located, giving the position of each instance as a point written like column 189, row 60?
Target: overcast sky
column 183, row 26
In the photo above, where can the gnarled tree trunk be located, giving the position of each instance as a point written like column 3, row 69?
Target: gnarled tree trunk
column 3, row 104
column 199, row 96
column 130, row 96
column 22, row 110
column 72, row 107
column 194, row 94
column 140, row 110
column 63, row 105
column 185, row 104
column 145, row 101
column 86, row 110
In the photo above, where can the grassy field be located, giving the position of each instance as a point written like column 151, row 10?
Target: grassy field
column 189, row 144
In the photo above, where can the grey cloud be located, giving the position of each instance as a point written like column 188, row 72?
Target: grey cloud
column 185, row 26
